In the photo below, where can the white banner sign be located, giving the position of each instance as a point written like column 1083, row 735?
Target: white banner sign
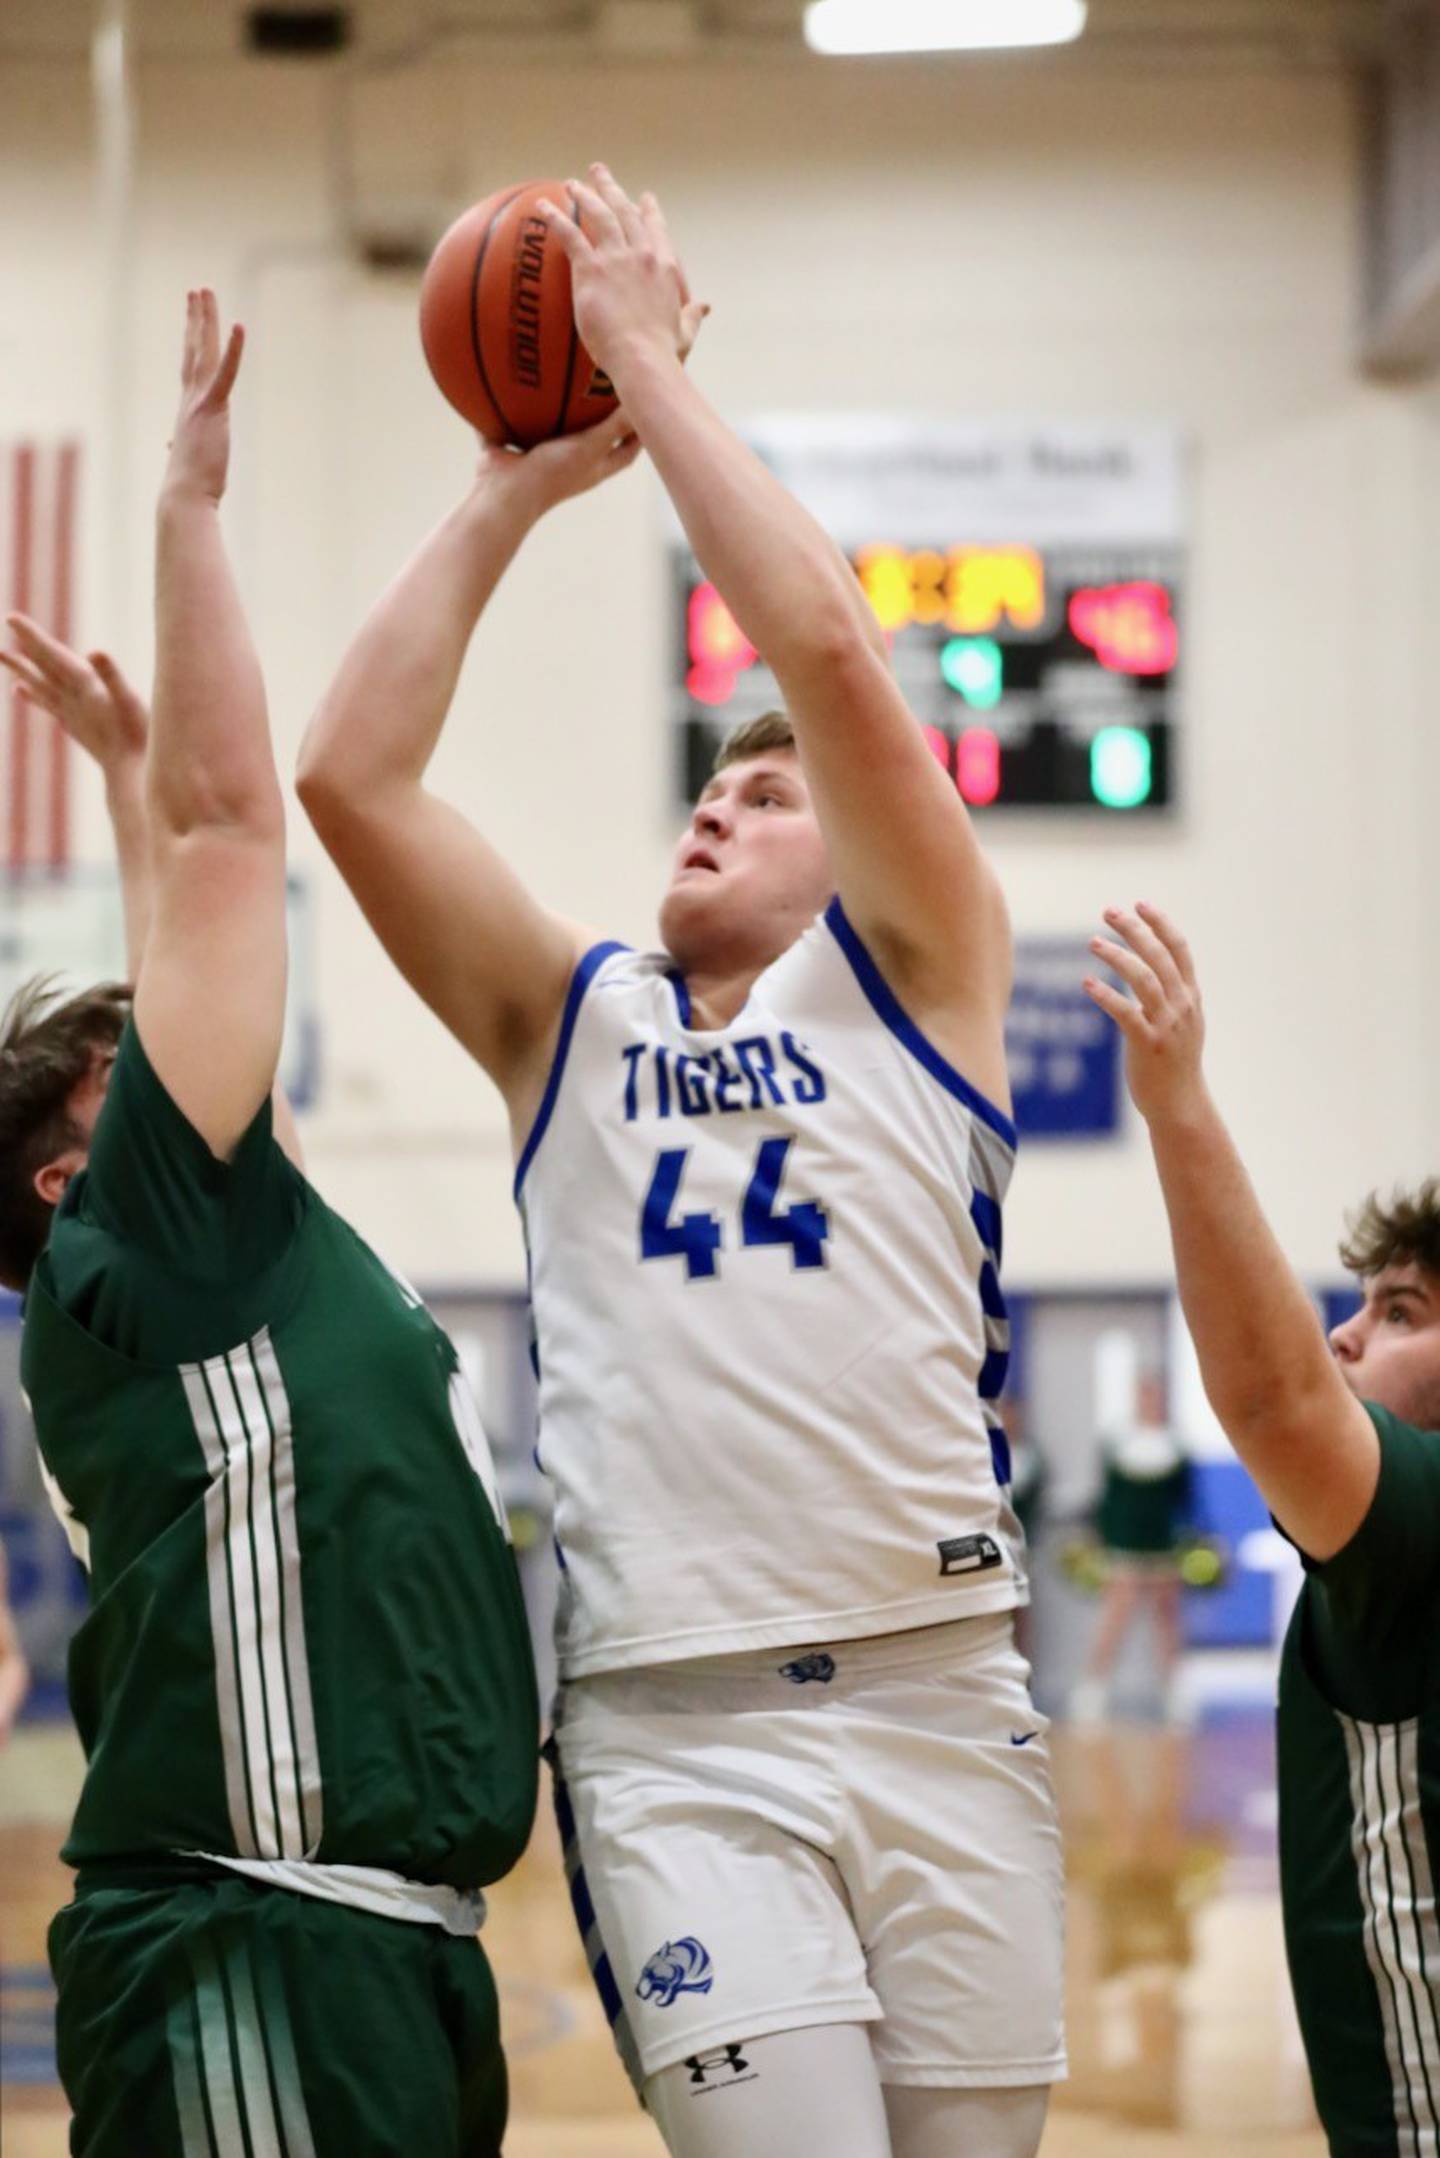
column 1038, row 484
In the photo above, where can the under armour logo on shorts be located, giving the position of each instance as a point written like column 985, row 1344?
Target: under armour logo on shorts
column 701, row 2065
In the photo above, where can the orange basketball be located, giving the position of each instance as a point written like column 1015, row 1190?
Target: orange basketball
column 498, row 327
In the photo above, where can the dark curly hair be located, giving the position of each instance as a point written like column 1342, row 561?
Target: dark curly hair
column 48, row 1045
column 1403, row 1231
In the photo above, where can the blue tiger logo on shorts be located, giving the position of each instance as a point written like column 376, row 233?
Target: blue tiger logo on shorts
column 681, row 1966
column 821, row 1667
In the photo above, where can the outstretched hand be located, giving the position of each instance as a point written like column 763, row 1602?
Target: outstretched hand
column 89, row 697
column 629, row 288
column 569, row 465
column 1163, row 1022
column 200, row 446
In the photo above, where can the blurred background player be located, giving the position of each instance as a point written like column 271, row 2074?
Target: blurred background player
column 14, row 1670
column 805, row 1793
column 304, row 1684
column 1143, row 1510
column 1344, row 1443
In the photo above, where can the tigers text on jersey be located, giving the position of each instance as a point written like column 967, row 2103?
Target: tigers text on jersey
column 764, row 1274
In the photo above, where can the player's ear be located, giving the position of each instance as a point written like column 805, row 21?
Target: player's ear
column 50, row 1182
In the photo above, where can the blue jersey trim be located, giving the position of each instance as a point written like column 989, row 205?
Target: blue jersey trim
column 681, row 988
column 886, row 1006
column 580, row 981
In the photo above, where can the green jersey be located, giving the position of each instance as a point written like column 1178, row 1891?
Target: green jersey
column 306, row 1639
column 1359, row 1777
column 1145, row 1495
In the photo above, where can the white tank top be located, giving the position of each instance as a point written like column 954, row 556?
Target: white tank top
column 769, row 1332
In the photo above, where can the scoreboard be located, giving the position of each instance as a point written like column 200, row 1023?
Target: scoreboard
column 1038, row 646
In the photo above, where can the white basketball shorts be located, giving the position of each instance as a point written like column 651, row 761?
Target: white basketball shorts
column 861, row 1831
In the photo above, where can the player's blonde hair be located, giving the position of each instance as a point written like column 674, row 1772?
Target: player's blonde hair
column 770, row 730
column 1401, row 1231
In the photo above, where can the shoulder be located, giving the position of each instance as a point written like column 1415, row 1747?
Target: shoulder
column 1390, row 1562
column 967, row 1067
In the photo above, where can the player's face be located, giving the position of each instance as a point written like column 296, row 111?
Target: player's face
column 751, row 870
column 1390, row 1351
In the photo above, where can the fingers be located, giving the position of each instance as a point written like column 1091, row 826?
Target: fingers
column 207, row 333
column 229, row 368
column 1144, row 942
column 192, row 336
column 44, row 651
column 122, row 694
column 568, row 237
column 1126, row 1015
column 605, row 227
column 618, row 203
column 652, row 217
column 692, row 315
column 203, row 368
column 1149, row 993
column 1171, row 938
column 31, row 681
column 48, row 672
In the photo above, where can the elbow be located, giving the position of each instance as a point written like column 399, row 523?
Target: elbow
column 827, row 642
column 1266, row 1408
column 186, row 804
column 327, row 790
column 315, row 786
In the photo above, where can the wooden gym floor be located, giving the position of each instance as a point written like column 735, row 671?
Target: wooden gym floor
column 1182, row 2037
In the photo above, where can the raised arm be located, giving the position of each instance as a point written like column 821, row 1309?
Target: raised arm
column 210, row 999
column 90, row 698
column 1268, row 1373
column 92, row 701
column 910, row 870
column 488, row 959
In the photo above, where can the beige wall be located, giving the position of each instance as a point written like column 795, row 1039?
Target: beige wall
column 1001, row 239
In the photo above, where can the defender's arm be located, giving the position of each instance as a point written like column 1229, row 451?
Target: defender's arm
column 97, row 707
column 1268, row 1372
column 210, row 999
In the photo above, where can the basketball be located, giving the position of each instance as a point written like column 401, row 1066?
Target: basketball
column 498, row 327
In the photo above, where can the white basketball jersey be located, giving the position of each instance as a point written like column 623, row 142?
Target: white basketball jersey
column 769, row 1332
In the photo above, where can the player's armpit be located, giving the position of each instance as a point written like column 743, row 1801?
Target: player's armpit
column 210, row 1001
column 491, row 963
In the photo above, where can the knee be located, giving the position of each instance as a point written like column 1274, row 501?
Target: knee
column 966, row 2123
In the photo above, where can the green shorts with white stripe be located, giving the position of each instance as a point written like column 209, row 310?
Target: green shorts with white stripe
column 202, row 2015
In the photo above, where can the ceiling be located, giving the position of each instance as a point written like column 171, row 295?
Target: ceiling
column 1299, row 33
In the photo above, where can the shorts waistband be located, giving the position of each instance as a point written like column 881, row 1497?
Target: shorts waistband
column 810, row 1670
column 459, row 1911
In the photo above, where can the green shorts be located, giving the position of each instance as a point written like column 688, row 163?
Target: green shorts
column 203, row 2016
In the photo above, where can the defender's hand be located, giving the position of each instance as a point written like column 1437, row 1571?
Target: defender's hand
column 89, row 697
column 629, row 289
column 200, row 446
column 1164, row 1023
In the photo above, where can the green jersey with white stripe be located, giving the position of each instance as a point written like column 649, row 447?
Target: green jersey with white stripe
column 1359, row 1777
column 306, row 1639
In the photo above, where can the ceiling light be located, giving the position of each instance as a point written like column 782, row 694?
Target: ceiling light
column 855, row 26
